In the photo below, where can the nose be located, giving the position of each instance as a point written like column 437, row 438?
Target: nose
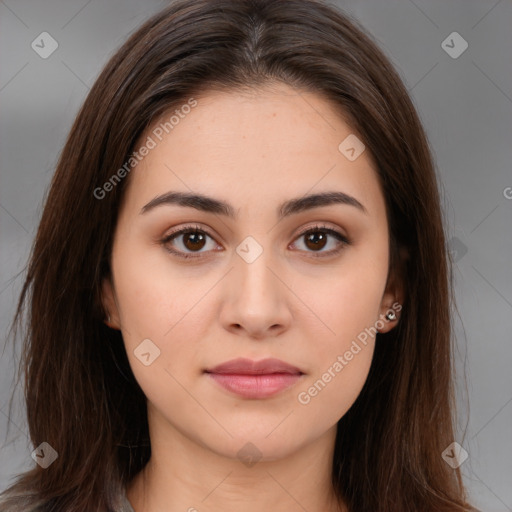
column 256, row 302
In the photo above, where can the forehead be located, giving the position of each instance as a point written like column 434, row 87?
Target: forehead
column 267, row 144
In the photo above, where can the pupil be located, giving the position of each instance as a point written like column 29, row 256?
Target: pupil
column 195, row 241
column 316, row 239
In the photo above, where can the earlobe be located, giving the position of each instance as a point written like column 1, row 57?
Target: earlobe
column 109, row 304
column 389, row 318
column 391, row 303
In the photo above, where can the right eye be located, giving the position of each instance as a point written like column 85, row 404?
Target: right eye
column 193, row 238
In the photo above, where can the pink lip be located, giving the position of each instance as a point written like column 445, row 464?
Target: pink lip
column 255, row 379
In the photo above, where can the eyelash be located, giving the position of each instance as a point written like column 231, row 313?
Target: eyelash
column 197, row 229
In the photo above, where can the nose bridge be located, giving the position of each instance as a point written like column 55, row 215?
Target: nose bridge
column 257, row 298
column 252, row 273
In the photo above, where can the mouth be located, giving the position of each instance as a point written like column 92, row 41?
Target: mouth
column 255, row 379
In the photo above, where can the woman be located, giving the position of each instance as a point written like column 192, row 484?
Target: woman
column 239, row 292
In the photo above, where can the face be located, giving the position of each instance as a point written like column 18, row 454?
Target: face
column 244, row 280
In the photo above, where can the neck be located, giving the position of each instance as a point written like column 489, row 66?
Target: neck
column 183, row 475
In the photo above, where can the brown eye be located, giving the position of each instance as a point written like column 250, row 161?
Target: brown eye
column 187, row 241
column 193, row 241
column 316, row 240
column 318, row 237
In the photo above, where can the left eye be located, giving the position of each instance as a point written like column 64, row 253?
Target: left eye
column 317, row 238
column 193, row 239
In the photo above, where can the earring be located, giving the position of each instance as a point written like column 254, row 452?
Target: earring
column 391, row 316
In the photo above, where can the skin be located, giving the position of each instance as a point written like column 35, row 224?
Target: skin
column 253, row 150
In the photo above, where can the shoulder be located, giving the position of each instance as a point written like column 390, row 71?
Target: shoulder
column 126, row 506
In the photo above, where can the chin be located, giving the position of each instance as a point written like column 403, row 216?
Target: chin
column 252, row 444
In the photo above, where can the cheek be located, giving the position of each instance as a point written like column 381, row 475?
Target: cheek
column 330, row 393
column 159, row 317
column 345, row 301
column 342, row 355
column 348, row 305
column 153, row 294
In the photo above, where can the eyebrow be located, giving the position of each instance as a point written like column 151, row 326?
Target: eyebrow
column 216, row 206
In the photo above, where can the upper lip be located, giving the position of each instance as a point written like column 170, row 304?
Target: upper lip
column 242, row 366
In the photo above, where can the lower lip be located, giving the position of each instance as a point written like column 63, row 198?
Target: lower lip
column 256, row 386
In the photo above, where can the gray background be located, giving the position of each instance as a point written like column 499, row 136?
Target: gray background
column 464, row 102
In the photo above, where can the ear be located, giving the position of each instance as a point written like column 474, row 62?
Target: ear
column 394, row 294
column 108, row 299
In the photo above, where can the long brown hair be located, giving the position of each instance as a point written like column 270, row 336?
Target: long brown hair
column 81, row 395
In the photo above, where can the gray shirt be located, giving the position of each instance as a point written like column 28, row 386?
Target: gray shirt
column 126, row 506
